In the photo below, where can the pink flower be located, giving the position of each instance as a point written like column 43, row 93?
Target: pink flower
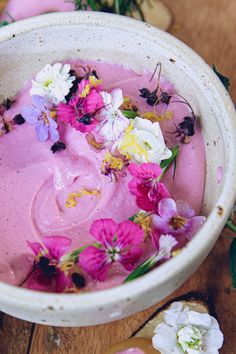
column 177, row 218
column 46, row 274
column 146, row 186
column 80, row 111
column 116, row 243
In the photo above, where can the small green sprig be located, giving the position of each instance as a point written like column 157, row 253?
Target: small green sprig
column 232, row 260
column 120, row 7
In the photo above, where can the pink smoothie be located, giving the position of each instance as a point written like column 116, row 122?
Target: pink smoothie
column 35, row 183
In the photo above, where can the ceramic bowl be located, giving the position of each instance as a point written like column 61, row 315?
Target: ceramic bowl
column 25, row 47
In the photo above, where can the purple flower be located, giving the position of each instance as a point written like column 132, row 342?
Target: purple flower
column 177, row 218
column 46, row 274
column 38, row 114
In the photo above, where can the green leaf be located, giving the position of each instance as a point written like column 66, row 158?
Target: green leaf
column 225, row 80
column 4, row 23
column 93, row 5
column 142, row 269
column 165, row 164
column 129, row 114
column 232, row 259
column 231, row 225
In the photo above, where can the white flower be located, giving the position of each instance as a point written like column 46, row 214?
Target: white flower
column 166, row 244
column 53, row 82
column 188, row 332
column 113, row 122
column 143, row 142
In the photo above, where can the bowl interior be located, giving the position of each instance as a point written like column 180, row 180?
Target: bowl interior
column 26, row 53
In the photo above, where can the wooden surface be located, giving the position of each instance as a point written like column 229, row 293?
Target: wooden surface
column 209, row 27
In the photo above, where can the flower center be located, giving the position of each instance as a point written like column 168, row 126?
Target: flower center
column 177, row 222
column 45, row 119
column 47, row 83
column 189, row 337
column 113, row 254
column 46, row 267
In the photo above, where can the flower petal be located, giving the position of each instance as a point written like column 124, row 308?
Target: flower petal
column 57, row 245
column 62, row 282
column 30, row 114
column 165, row 339
column 213, row 340
column 129, row 233
column 104, row 230
column 130, row 258
column 184, row 209
column 194, row 225
column 95, row 262
column 41, row 131
column 39, row 102
column 199, row 319
column 116, row 98
column 35, row 246
column 39, row 281
column 167, row 208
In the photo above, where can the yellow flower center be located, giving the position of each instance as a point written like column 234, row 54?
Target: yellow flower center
column 177, row 222
column 47, row 83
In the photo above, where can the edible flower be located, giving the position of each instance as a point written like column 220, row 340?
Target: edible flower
column 177, row 218
column 112, row 121
column 112, row 164
column 47, row 274
column 188, row 332
column 80, row 111
column 143, row 142
column 116, row 243
column 53, row 82
column 40, row 115
column 145, row 185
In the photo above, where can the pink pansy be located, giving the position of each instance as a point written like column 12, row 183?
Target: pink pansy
column 80, row 111
column 46, row 274
column 177, row 218
column 116, row 243
column 145, row 185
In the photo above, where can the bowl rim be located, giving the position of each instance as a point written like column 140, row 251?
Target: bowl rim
column 15, row 296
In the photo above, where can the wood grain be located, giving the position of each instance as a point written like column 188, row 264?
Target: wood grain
column 209, row 27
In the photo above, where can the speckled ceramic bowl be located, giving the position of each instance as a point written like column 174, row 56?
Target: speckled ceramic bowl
column 25, row 47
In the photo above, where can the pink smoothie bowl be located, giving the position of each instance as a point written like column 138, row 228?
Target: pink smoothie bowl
column 25, row 47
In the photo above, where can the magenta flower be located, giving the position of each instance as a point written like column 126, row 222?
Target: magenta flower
column 80, row 111
column 116, row 243
column 46, row 274
column 146, row 186
column 177, row 218
column 38, row 114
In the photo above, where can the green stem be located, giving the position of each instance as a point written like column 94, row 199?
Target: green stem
column 231, row 225
column 117, row 7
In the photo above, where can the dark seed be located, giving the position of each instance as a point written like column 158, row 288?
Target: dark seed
column 152, row 99
column 145, row 93
column 43, row 262
column 7, row 103
column 78, row 280
column 58, row 146
column 86, row 119
column 18, row 119
column 165, row 98
column 187, row 126
column 94, row 73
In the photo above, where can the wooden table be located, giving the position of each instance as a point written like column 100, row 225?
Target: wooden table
column 209, row 27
